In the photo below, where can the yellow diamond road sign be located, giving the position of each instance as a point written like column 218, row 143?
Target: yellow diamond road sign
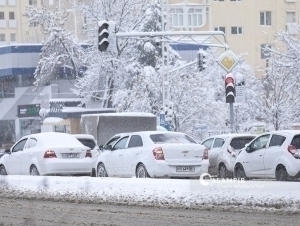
column 228, row 60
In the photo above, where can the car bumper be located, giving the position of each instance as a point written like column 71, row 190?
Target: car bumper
column 66, row 166
column 163, row 169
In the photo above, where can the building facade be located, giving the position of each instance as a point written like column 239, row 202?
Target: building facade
column 14, row 27
column 249, row 25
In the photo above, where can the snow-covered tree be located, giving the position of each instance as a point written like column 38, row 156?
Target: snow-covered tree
column 61, row 51
column 105, row 72
column 279, row 98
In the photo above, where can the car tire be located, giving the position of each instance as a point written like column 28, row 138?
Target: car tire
column 141, row 171
column 239, row 172
column 3, row 170
column 34, row 171
column 223, row 172
column 281, row 173
column 101, row 171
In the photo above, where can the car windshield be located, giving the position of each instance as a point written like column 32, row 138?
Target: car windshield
column 240, row 142
column 87, row 142
column 171, row 138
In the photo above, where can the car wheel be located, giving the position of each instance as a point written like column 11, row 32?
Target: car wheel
column 281, row 173
column 223, row 172
column 240, row 172
column 101, row 171
column 3, row 170
column 34, row 171
column 141, row 171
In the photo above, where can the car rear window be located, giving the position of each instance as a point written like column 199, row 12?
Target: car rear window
column 171, row 138
column 240, row 142
column 87, row 142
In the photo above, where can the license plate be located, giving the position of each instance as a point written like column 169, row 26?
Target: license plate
column 70, row 155
column 185, row 168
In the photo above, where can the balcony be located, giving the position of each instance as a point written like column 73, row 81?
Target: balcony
column 12, row 24
column 11, row 2
column 2, row 23
column 2, row 2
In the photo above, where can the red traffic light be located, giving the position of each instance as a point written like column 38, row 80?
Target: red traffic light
column 229, row 79
column 230, row 88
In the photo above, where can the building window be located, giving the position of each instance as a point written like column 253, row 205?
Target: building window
column 265, row 18
column 11, row 15
column 32, row 2
column 2, row 37
column 195, row 17
column 236, row 30
column 264, row 51
column 13, row 37
column 220, row 29
column 176, row 17
column 1, row 15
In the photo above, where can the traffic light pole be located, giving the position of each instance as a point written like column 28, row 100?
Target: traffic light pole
column 231, row 117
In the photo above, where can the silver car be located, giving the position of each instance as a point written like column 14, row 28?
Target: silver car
column 223, row 150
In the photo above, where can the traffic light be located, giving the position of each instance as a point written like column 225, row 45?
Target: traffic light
column 103, row 35
column 201, row 59
column 230, row 88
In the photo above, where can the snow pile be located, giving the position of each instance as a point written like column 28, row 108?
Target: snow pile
column 267, row 195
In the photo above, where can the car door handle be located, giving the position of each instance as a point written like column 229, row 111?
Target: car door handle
column 120, row 155
column 260, row 155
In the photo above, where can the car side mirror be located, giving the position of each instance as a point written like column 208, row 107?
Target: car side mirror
column 101, row 147
column 248, row 149
column 7, row 151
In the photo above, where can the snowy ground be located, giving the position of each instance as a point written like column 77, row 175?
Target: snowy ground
column 262, row 195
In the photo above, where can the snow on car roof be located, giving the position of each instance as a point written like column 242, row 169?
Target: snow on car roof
column 147, row 132
column 84, row 136
column 233, row 135
column 56, row 139
column 292, row 132
column 122, row 114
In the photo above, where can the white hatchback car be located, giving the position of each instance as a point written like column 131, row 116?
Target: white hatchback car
column 152, row 154
column 223, row 150
column 273, row 155
column 47, row 154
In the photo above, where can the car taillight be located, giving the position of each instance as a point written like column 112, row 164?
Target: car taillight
column 293, row 150
column 158, row 153
column 49, row 154
column 88, row 154
column 205, row 154
column 231, row 151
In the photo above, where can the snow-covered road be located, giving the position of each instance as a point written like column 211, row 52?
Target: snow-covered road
column 262, row 195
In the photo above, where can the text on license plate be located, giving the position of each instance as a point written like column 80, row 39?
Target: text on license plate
column 70, row 155
column 185, row 168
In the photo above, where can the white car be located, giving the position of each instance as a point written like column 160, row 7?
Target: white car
column 47, row 154
column 223, row 150
column 89, row 141
column 152, row 154
column 273, row 155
